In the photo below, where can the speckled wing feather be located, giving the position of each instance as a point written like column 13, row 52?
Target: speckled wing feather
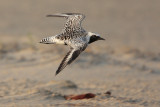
column 73, row 23
column 68, row 59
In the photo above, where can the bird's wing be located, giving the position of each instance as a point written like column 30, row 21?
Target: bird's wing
column 73, row 23
column 70, row 57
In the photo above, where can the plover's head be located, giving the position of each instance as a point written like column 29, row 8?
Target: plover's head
column 94, row 37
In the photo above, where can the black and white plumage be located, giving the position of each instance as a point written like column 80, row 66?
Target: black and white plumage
column 72, row 35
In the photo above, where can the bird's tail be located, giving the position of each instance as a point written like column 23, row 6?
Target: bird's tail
column 47, row 40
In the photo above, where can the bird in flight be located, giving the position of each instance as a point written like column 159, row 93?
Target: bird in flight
column 72, row 35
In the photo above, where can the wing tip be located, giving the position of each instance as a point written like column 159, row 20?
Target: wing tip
column 57, row 72
column 54, row 15
column 64, row 14
column 49, row 15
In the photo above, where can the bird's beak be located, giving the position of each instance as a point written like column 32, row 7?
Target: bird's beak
column 101, row 38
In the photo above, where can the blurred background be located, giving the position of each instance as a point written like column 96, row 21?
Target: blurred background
column 127, row 63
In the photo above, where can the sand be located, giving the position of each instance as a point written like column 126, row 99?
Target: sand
column 127, row 64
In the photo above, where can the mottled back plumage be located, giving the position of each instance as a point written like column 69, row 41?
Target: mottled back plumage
column 72, row 27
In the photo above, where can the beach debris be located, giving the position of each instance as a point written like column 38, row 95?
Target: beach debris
column 108, row 93
column 80, row 96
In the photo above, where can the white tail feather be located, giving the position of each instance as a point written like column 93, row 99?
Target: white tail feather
column 47, row 40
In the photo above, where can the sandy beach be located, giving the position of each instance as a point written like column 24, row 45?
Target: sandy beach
column 127, row 64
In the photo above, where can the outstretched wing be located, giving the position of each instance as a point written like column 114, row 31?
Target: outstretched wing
column 70, row 57
column 73, row 23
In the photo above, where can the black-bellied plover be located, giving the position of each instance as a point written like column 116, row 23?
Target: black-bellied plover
column 72, row 35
